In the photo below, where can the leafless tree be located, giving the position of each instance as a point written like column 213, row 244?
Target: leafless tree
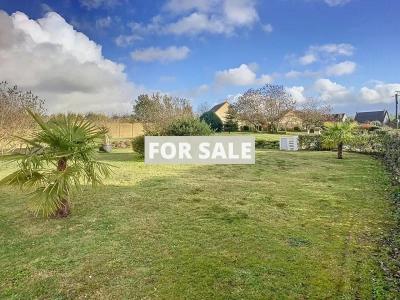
column 314, row 113
column 264, row 106
column 14, row 120
column 157, row 111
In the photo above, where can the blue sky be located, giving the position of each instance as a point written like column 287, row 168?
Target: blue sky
column 343, row 52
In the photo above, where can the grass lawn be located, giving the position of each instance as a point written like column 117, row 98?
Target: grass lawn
column 295, row 225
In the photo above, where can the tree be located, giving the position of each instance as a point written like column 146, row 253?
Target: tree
column 231, row 123
column 264, row 106
column 157, row 111
column 60, row 156
column 13, row 117
column 314, row 113
column 338, row 134
column 212, row 120
column 187, row 126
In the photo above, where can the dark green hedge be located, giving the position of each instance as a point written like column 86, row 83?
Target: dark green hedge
column 391, row 153
column 138, row 145
column 263, row 144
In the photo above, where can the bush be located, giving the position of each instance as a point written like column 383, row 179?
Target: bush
column 370, row 143
column 311, row 142
column 245, row 128
column 212, row 120
column 138, row 145
column 187, row 127
column 264, row 144
column 296, row 129
column 391, row 153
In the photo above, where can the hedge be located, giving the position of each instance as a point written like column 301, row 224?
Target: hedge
column 264, row 144
column 138, row 145
column 312, row 142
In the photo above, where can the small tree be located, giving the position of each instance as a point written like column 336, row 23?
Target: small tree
column 212, row 120
column 157, row 111
column 337, row 135
column 265, row 106
column 231, row 123
column 187, row 126
column 314, row 113
column 14, row 120
column 59, row 157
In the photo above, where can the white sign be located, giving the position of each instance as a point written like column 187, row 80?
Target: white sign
column 199, row 150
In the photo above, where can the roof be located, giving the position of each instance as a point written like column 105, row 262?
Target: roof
column 217, row 107
column 370, row 116
column 337, row 117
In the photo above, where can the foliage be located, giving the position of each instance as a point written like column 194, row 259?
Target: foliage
column 157, row 111
column 212, row 120
column 337, row 135
column 231, row 123
column 60, row 156
column 311, row 142
column 13, row 118
column 370, row 142
column 188, row 126
column 138, row 145
column 264, row 106
column 265, row 144
column 391, row 153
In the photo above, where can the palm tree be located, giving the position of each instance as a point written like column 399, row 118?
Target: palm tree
column 60, row 157
column 337, row 135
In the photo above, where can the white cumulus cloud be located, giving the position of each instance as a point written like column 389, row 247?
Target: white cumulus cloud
column 61, row 65
column 330, row 91
column 326, row 52
column 379, row 93
column 194, row 17
column 297, row 93
column 336, row 2
column 169, row 54
column 244, row 75
column 343, row 68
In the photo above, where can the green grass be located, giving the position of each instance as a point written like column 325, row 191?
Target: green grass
column 296, row 225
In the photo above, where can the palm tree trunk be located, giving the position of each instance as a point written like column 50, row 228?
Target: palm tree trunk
column 340, row 151
column 65, row 208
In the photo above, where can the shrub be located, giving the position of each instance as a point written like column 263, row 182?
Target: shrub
column 370, row 143
column 212, row 120
column 264, row 144
column 311, row 142
column 138, row 145
column 296, row 129
column 391, row 153
column 188, row 126
column 245, row 128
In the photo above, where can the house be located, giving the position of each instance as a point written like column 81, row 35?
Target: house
column 291, row 120
column 221, row 110
column 381, row 116
column 340, row 117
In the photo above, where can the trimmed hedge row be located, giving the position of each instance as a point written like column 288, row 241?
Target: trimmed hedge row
column 391, row 153
column 311, row 142
column 263, row 144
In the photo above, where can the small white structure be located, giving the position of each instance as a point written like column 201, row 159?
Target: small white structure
column 289, row 143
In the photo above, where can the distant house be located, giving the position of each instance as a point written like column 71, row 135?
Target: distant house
column 370, row 116
column 291, row 120
column 221, row 110
column 341, row 117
